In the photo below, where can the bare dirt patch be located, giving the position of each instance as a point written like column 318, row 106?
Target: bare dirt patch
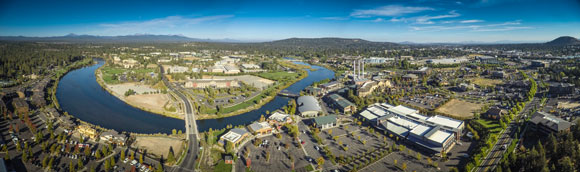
column 159, row 145
column 120, row 89
column 154, row 102
column 459, row 109
column 484, row 82
column 568, row 105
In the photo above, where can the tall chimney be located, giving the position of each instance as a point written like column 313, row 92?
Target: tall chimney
column 359, row 71
column 353, row 69
column 363, row 68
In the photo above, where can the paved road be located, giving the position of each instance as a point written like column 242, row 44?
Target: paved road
column 494, row 157
column 188, row 162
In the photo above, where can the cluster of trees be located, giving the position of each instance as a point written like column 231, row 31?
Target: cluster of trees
column 560, row 153
column 25, row 58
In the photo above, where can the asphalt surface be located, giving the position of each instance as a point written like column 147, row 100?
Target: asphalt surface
column 494, row 157
column 188, row 162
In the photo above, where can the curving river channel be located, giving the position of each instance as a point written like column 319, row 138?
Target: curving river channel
column 80, row 95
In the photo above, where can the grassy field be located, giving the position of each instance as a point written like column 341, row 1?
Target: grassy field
column 222, row 167
column 278, row 76
column 484, row 82
column 459, row 109
column 108, row 73
column 492, row 125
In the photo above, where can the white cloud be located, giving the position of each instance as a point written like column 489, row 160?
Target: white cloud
column 378, row 20
column 335, row 18
column 505, row 26
column 390, row 10
column 428, row 19
column 471, row 21
column 159, row 24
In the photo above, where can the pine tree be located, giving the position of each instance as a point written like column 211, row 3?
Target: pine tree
column 170, row 156
column 122, row 154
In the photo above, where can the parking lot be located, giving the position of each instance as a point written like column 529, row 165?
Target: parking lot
column 279, row 155
column 427, row 101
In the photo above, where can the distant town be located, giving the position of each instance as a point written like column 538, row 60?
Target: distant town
column 324, row 104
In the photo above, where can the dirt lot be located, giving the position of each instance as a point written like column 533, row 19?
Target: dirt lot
column 159, row 145
column 257, row 82
column 154, row 102
column 568, row 105
column 458, row 108
column 120, row 89
column 486, row 82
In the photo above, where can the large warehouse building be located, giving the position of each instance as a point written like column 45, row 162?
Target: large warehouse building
column 437, row 134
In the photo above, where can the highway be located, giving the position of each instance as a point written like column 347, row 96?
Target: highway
column 188, row 162
column 496, row 153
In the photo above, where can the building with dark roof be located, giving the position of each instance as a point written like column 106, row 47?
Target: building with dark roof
column 308, row 106
column 561, row 88
column 338, row 102
column 495, row 113
column 547, row 123
column 324, row 122
column 260, row 128
column 331, row 86
column 410, row 77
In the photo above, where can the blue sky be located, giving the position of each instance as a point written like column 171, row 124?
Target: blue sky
column 380, row 20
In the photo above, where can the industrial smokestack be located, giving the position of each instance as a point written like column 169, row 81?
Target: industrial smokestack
column 363, row 68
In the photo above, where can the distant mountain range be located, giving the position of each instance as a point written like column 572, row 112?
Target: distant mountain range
column 124, row 38
column 305, row 43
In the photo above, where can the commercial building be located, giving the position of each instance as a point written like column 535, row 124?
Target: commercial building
column 331, row 86
column 260, row 128
column 368, row 87
column 561, row 89
column 538, row 63
column 547, row 123
column 495, row 113
column 377, row 60
column 212, row 83
column 421, row 71
column 87, row 131
column 235, row 136
column 278, row 119
column 325, row 122
column 436, row 134
column 308, row 106
column 231, row 69
column 176, row 69
column 114, row 137
column 338, row 102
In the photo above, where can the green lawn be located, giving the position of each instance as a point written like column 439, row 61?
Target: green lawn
column 278, row 76
column 492, row 125
column 222, row 167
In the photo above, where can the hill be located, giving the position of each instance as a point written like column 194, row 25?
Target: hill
column 330, row 43
column 563, row 41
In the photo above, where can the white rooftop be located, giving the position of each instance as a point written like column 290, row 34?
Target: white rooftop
column 403, row 122
column 418, row 116
column 420, row 130
column 445, row 121
column 231, row 136
column 377, row 111
column 439, row 136
column 402, row 110
column 368, row 115
column 278, row 116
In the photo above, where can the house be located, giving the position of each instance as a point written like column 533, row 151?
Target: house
column 235, row 135
column 113, row 137
column 260, row 128
column 308, row 106
column 20, row 106
column 325, row 122
column 338, row 102
column 87, row 131
column 495, row 113
column 228, row 159
column 547, row 123
column 278, row 118
column 465, row 87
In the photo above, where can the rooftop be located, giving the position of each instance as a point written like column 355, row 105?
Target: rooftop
column 308, row 103
column 323, row 120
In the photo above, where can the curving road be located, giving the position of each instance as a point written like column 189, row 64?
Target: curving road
column 188, row 162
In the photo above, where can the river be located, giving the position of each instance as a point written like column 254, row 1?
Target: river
column 80, row 95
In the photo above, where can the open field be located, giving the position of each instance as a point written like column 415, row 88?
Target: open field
column 108, row 73
column 484, row 82
column 255, row 81
column 153, row 102
column 159, row 145
column 120, row 89
column 278, row 75
column 460, row 109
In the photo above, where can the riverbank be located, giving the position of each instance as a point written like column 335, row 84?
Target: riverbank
column 101, row 82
